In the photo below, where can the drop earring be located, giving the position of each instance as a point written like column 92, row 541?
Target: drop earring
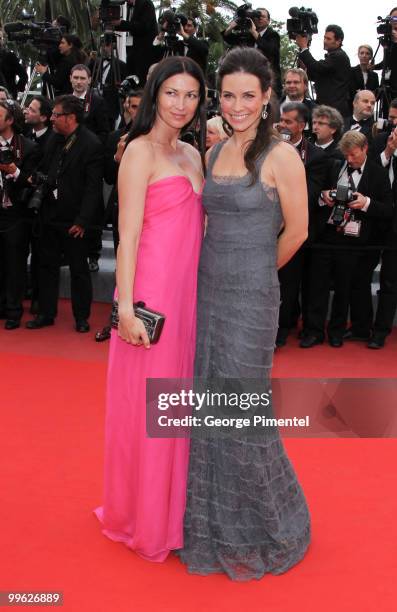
column 264, row 112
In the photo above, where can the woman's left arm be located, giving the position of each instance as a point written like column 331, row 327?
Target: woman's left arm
column 290, row 180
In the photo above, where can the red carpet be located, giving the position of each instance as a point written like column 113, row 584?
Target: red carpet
column 51, row 445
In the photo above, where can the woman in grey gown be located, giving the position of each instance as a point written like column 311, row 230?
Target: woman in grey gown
column 246, row 513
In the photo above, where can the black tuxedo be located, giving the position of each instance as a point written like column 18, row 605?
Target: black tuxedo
column 76, row 176
column 343, row 260
column 15, row 227
column 109, row 88
column 10, row 69
column 292, row 276
column 142, row 25
column 96, row 117
column 331, row 77
column 195, row 48
column 366, row 126
column 42, row 140
column 269, row 45
column 357, row 81
column 361, row 299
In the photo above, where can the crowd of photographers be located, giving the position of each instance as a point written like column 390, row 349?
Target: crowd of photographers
column 60, row 155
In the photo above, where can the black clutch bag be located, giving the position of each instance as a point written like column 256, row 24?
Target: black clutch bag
column 152, row 320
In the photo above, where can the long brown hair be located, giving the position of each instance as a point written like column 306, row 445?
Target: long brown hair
column 251, row 61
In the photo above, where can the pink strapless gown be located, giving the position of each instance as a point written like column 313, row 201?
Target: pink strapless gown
column 145, row 478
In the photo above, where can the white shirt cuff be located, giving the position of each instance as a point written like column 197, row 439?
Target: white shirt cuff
column 15, row 175
column 384, row 160
column 365, row 207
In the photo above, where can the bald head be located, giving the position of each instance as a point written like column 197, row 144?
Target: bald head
column 364, row 104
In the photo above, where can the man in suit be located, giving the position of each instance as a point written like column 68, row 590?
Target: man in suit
column 384, row 152
column 15, row 217
column 341, row 239
column 296, row 90
column 332, row 74
column 362, row 118
column 262, row 37
column 328, row 127
column 96, row 116
column 292, row 276
column 189, row 45
column 37, row 119
column 361, row 77
column 141, row 28
column 13, row 75
column 73, row 203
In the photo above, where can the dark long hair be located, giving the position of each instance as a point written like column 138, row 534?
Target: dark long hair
column 147, row 111
column 250, row 61
column 76, row 52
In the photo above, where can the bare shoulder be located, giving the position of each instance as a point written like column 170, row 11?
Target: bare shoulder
column 283, row 153
column 139, row 147
column 192, row 153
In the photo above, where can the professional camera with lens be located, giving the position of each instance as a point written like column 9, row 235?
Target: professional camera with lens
column 304, row 22
column 384, row 126
column 42, row 187
column 384, row 29
column 42, row 34
column 342, row 197
column 110, row 10
column 129, row 84
column 243, row 17
column 173, row 22
column 6, row 155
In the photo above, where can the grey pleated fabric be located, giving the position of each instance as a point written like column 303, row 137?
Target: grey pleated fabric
column 246, row 513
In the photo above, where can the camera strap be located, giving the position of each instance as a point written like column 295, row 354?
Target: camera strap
column 61, row 160
column 302, row 149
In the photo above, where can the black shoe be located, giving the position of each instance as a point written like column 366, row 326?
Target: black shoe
column 34, row 307
column 12, row 324
column 103, row 335
column 82, row 326
column 335, row 342
column 377, row 341
column 93, row 265
column 39, row 322
column 309, row 341
column 281, row 339
column 350, row 334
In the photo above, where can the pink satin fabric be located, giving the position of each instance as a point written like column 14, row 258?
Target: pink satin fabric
column 145, row 478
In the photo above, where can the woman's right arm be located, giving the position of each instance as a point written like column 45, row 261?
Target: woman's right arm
column 134, row 175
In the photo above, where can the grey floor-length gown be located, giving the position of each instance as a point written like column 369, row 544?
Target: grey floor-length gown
column 246, row 513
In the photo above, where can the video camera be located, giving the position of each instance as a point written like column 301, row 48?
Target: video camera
column 173, row 20
column 304, row 22
column 243, row 17
column 42, row 34
column 384, row 29
column 342, row 197
column 110, row 10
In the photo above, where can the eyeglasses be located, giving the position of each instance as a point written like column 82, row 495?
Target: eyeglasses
column 56, row 115
column 320, row 122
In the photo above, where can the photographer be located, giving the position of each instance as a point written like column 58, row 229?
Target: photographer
column 13, row 75
column 332, row 74
column 296, row 90
column 262, row 37
column 141, row 26
column 389, row 63
column 19, row 157
column 347, row 221
column 328, row 127
column 71, row 51
column 292, row 276
column 189, row 45
column 72, row 204
column 384, row 151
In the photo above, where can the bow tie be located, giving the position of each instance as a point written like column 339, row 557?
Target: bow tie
column 350, row 170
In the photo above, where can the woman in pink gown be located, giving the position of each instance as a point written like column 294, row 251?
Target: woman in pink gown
column 161, row 228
